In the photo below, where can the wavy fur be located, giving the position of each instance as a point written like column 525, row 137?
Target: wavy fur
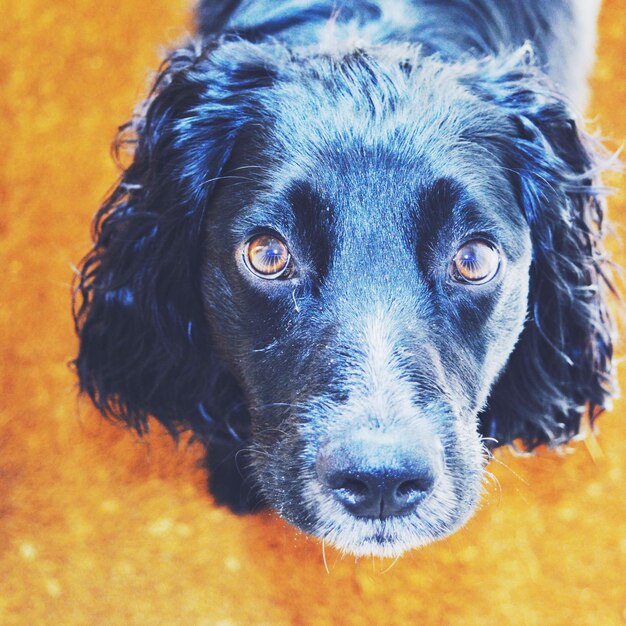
column 163, row 321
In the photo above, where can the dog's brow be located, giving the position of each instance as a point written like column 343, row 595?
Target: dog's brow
column 308, row 202
column 314, row 217
column 447, row 199
column 433, row 206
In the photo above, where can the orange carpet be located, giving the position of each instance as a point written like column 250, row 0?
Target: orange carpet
column 97, row 527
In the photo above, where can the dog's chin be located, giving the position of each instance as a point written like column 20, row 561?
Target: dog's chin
column 382, row 538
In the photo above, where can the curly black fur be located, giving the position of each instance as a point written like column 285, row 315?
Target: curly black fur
column 169, row 328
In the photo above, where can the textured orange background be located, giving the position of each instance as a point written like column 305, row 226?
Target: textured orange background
column 97, row 527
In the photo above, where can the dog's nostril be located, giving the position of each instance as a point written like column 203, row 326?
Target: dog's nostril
column 351, row 490
column 354, row 486
column 361, row 497
column 414, row 488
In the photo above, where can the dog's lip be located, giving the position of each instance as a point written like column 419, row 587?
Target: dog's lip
column 383, row 541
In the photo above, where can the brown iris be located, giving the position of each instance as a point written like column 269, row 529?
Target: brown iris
column 476, row 262
column 267, row 256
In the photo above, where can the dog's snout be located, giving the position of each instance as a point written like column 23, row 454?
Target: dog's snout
column 378, row 479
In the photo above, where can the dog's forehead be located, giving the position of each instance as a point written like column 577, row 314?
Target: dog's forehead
column 367, row 132
column 370, row 176
column 371, row 99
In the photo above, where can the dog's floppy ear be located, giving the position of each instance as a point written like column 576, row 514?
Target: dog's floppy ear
column 144, row 345
column 562, row 365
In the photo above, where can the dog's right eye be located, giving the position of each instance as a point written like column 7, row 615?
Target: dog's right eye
column 267, row 256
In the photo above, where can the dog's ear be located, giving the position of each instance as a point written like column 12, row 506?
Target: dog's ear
column 144, row 344
column 561, row 368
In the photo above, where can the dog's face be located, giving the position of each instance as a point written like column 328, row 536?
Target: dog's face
column 385, row 260
column 366, row 276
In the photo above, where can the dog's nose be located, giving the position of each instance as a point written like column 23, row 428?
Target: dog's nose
column 378, row 492
column 374, row 478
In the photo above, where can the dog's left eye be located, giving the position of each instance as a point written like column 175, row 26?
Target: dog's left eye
column 476, row 262
column 267, row 256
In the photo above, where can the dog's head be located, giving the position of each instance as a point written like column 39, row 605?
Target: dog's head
column 367, row 264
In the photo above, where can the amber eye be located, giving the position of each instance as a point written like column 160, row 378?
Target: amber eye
column 476, row 262
column 267, row 256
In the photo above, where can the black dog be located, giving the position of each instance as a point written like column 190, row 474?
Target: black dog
column 359, row 243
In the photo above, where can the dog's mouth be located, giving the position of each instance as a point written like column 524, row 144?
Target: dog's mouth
column 383, row 538
column 380, row 537
column 439, row 513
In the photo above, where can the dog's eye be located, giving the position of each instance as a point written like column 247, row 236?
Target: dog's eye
column 267, row 256
column 476, row 262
